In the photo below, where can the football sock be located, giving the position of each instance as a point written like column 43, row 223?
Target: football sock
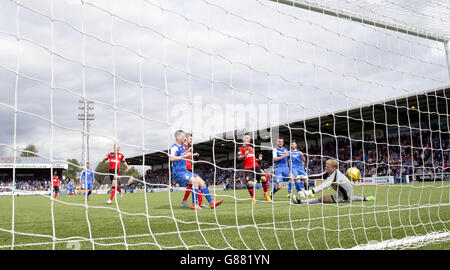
column 250, row 190
column 265, row 187
column 205, row 192
column 200, row 197
column 298, row 186
column 274, row 189
column 194, row 196
column 118, row 189
column 290, row 187
column 113, row 191
column 188, row 191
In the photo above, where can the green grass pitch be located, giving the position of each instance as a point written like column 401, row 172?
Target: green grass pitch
column 399, row 211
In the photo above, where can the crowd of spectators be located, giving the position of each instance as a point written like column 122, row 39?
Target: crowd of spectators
column 25, row 183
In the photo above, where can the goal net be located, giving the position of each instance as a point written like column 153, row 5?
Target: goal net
column 363, row 82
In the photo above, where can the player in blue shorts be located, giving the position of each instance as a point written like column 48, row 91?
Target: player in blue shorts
column 282, row 171
column 71, row 186
column 296, row 163
column 87, row 180
column 184, row 177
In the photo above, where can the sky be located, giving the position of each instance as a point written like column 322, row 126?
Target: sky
column 152, row 67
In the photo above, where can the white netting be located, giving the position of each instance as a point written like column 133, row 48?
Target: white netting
column 373, row 98
column 432, row 16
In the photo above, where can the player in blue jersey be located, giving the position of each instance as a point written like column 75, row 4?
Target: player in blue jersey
column 282, row 171
column 71, row 187
column 183, row 177
column 87, row 180
column 296, row 163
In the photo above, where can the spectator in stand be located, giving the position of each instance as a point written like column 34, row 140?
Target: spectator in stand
column 26, row 183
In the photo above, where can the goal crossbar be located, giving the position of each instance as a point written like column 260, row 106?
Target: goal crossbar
column 414, row 31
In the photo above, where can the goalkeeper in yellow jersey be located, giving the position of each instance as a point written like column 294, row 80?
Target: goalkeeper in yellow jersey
column 337, row 180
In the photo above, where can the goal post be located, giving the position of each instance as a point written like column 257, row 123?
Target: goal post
column 447, row 53
column 314, row 6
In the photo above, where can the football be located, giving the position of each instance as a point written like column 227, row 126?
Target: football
column 353, row 174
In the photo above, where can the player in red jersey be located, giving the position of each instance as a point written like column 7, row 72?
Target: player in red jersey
column 56, row 184
column 187, row 146
column 115, row 159
column 252, row 170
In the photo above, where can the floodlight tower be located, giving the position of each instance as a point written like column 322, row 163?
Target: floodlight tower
column 86, row 116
